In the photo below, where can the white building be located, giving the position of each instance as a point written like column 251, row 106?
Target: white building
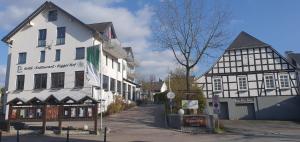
column 47, row 56
column 253, row 81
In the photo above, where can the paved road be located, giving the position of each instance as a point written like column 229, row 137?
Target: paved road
column 146, row 124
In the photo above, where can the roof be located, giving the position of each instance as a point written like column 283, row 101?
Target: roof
column 44, row 6
column 156, row 86
column 59, row 98
column 101, row 27
column 130, row 57
column 295, row 57
column 115, row 51
column 245, row 40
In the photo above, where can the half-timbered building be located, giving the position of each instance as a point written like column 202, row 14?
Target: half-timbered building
column 253, row 81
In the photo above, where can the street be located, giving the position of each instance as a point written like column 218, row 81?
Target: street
column 146, row 124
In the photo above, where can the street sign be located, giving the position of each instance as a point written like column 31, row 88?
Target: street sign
column 216, row 104
column 189, row 104
column 171, row 95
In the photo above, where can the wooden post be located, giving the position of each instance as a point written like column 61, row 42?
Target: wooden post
column 96, row 118
column 60, row 115
column 44, row 119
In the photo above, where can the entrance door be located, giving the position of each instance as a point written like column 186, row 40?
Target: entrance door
column 246, row 111
column 223, row 111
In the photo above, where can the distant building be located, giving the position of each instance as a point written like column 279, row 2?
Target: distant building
column 153, row 88
column 47, row 57
column 253, row 81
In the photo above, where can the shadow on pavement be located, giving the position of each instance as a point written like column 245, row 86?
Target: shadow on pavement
column 152, row 115
column 45, row 138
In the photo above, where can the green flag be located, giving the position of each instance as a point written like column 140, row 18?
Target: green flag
column 92, row 65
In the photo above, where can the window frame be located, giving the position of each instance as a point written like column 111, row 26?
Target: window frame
column 112, row 86
column 60, row 37
column 119, row 67
column 40, row 87
column 288, row 81
column 57, row 58
column 52, row 17
column 239, row 85
column 59, row 85
column 17, row 83
column 41, row 38
column 77, row 57
column 105, row 83
column 77, row 84
column 42, row 58
column 25, row 58
column 265, row 82
column 221, row 84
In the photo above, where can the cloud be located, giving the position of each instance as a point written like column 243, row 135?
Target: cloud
column 2, row 75
column 133, row 27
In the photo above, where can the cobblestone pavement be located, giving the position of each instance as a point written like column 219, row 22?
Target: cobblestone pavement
column 146, row 124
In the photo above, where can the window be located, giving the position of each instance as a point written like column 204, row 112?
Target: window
column 79, row 79
column 57, row 55
column 284, row 81
column 57, row 80
column 40, row 81
column 42, row 57
column 123, row 67
column 217, row 84
column 269, row 82
column 52, row 15
column 119, row 86
column 129, row 92
column 42, row 38
column 22, row 58
column 80, row 52
column 124, row 90
column 106, row 60
column 105, row 82
column 61, row 33
column 20, row 82
column 112, row 85
column 242, row 83
column 119, row 67
column 112, row 63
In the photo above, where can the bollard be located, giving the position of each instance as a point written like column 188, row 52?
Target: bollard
column 68, row 134
column 0, row 135
column 105, row 130
column 18, row 139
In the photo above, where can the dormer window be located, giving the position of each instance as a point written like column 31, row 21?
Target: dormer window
column 52, row 15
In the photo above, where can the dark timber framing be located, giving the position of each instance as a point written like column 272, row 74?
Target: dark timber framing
column 254, row 62
column 52, row 109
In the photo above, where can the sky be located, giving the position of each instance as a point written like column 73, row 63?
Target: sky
column 275, row 22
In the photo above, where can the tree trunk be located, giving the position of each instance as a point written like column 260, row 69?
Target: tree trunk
column 187, row 78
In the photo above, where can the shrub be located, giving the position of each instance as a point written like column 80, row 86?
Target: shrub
column 118, row 105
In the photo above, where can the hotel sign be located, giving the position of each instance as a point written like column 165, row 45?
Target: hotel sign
column 20, row 69
column 194, row 121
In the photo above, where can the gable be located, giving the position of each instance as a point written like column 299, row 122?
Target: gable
column 259, row 59
column 46, row 6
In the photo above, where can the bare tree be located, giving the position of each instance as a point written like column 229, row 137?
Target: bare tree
column 189, row 29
